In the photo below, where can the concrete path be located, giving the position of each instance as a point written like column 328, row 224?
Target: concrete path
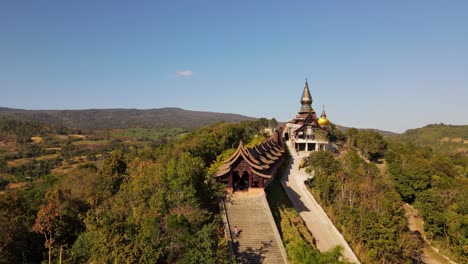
column 259, row 240
column 318, row 223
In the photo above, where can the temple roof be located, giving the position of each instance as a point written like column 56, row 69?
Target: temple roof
column 260, row 158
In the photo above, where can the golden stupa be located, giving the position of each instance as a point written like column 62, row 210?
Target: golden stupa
column 323, row 120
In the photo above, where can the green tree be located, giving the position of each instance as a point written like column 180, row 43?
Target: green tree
column 273, row 123
column 68, row 150
column 351, row 136
column 371, row 144
column 114, row 171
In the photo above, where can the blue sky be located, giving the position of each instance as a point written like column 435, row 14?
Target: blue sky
column 390, row 65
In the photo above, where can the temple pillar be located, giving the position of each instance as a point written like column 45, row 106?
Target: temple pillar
column 317, row 146
column 230, row 180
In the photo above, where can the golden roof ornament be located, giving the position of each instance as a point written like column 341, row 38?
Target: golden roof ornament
column 323, row 120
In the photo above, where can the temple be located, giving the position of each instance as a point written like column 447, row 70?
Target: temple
column 255, row 167
column 252, row 167
column 306, row 131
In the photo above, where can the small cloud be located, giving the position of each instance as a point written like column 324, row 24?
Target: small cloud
column 186, row 73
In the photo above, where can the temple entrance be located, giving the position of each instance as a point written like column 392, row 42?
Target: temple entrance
column 241, row 183
column 286, row 136
column 300, row 146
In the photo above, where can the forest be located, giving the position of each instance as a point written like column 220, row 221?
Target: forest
column 365, row 187
column 102, row 119
column 113, row 199
column 143, row 194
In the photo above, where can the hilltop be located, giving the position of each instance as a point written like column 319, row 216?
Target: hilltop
column 100, row 119
column 384, row 133
column 442, row 137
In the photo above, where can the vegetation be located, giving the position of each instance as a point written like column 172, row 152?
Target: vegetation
column 365, row 187
column 145, row 194
column 298, row 242
column 440, row 137
column 437, row 186
column 365, row 207
column 122, row 202
column 103, row 119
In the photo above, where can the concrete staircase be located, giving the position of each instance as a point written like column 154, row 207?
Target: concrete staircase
column 258, row 238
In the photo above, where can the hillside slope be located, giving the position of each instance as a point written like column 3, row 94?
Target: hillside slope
column 384, row 133
column 97, row 119
column 447, row 138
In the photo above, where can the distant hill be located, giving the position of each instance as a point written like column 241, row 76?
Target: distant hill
column 382, row 132
column 99, row 119
column 451, row 138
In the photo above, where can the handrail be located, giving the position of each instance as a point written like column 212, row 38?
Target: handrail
column 275, row 228
column 227, row 228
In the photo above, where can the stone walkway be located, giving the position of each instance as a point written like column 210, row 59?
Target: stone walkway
column 318, row 223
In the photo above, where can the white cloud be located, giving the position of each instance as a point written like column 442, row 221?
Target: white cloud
column 185, row 73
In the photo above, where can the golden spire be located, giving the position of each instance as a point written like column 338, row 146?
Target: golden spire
column 306, row 99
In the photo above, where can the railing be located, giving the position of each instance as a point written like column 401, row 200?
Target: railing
column 275, row 228
column 227, row 228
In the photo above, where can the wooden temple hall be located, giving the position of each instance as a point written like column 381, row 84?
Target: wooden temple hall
column 252, row 167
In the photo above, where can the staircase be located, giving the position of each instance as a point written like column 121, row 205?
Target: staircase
column 258, row 241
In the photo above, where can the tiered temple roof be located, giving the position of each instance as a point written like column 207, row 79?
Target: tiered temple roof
column 259, row 162
column 261, row 158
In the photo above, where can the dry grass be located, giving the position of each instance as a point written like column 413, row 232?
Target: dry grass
column 15, row 185
column 55, row 148
column 61, row 137
column 24, row 161
column 91, row 142
column 19, row 162
column 75, row 136
column 457, row 140
column 37, row 139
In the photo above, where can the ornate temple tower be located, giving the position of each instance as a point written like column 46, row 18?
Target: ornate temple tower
column 306, row 106
column 307, row 132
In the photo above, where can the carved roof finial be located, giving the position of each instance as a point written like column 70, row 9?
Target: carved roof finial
column 323, row 112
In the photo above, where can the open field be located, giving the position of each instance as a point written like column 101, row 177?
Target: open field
column 91, row 142
column 24, row 161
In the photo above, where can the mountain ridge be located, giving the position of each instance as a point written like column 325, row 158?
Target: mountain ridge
column 112, row 118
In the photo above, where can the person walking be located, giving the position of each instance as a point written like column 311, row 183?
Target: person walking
column 236, row 231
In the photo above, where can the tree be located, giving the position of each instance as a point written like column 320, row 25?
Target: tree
column 273, row 123
column 68, row 149
column 114, row 171
column 49, row 224
column 371, row 144
column 351, row 134
column 57, row 220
